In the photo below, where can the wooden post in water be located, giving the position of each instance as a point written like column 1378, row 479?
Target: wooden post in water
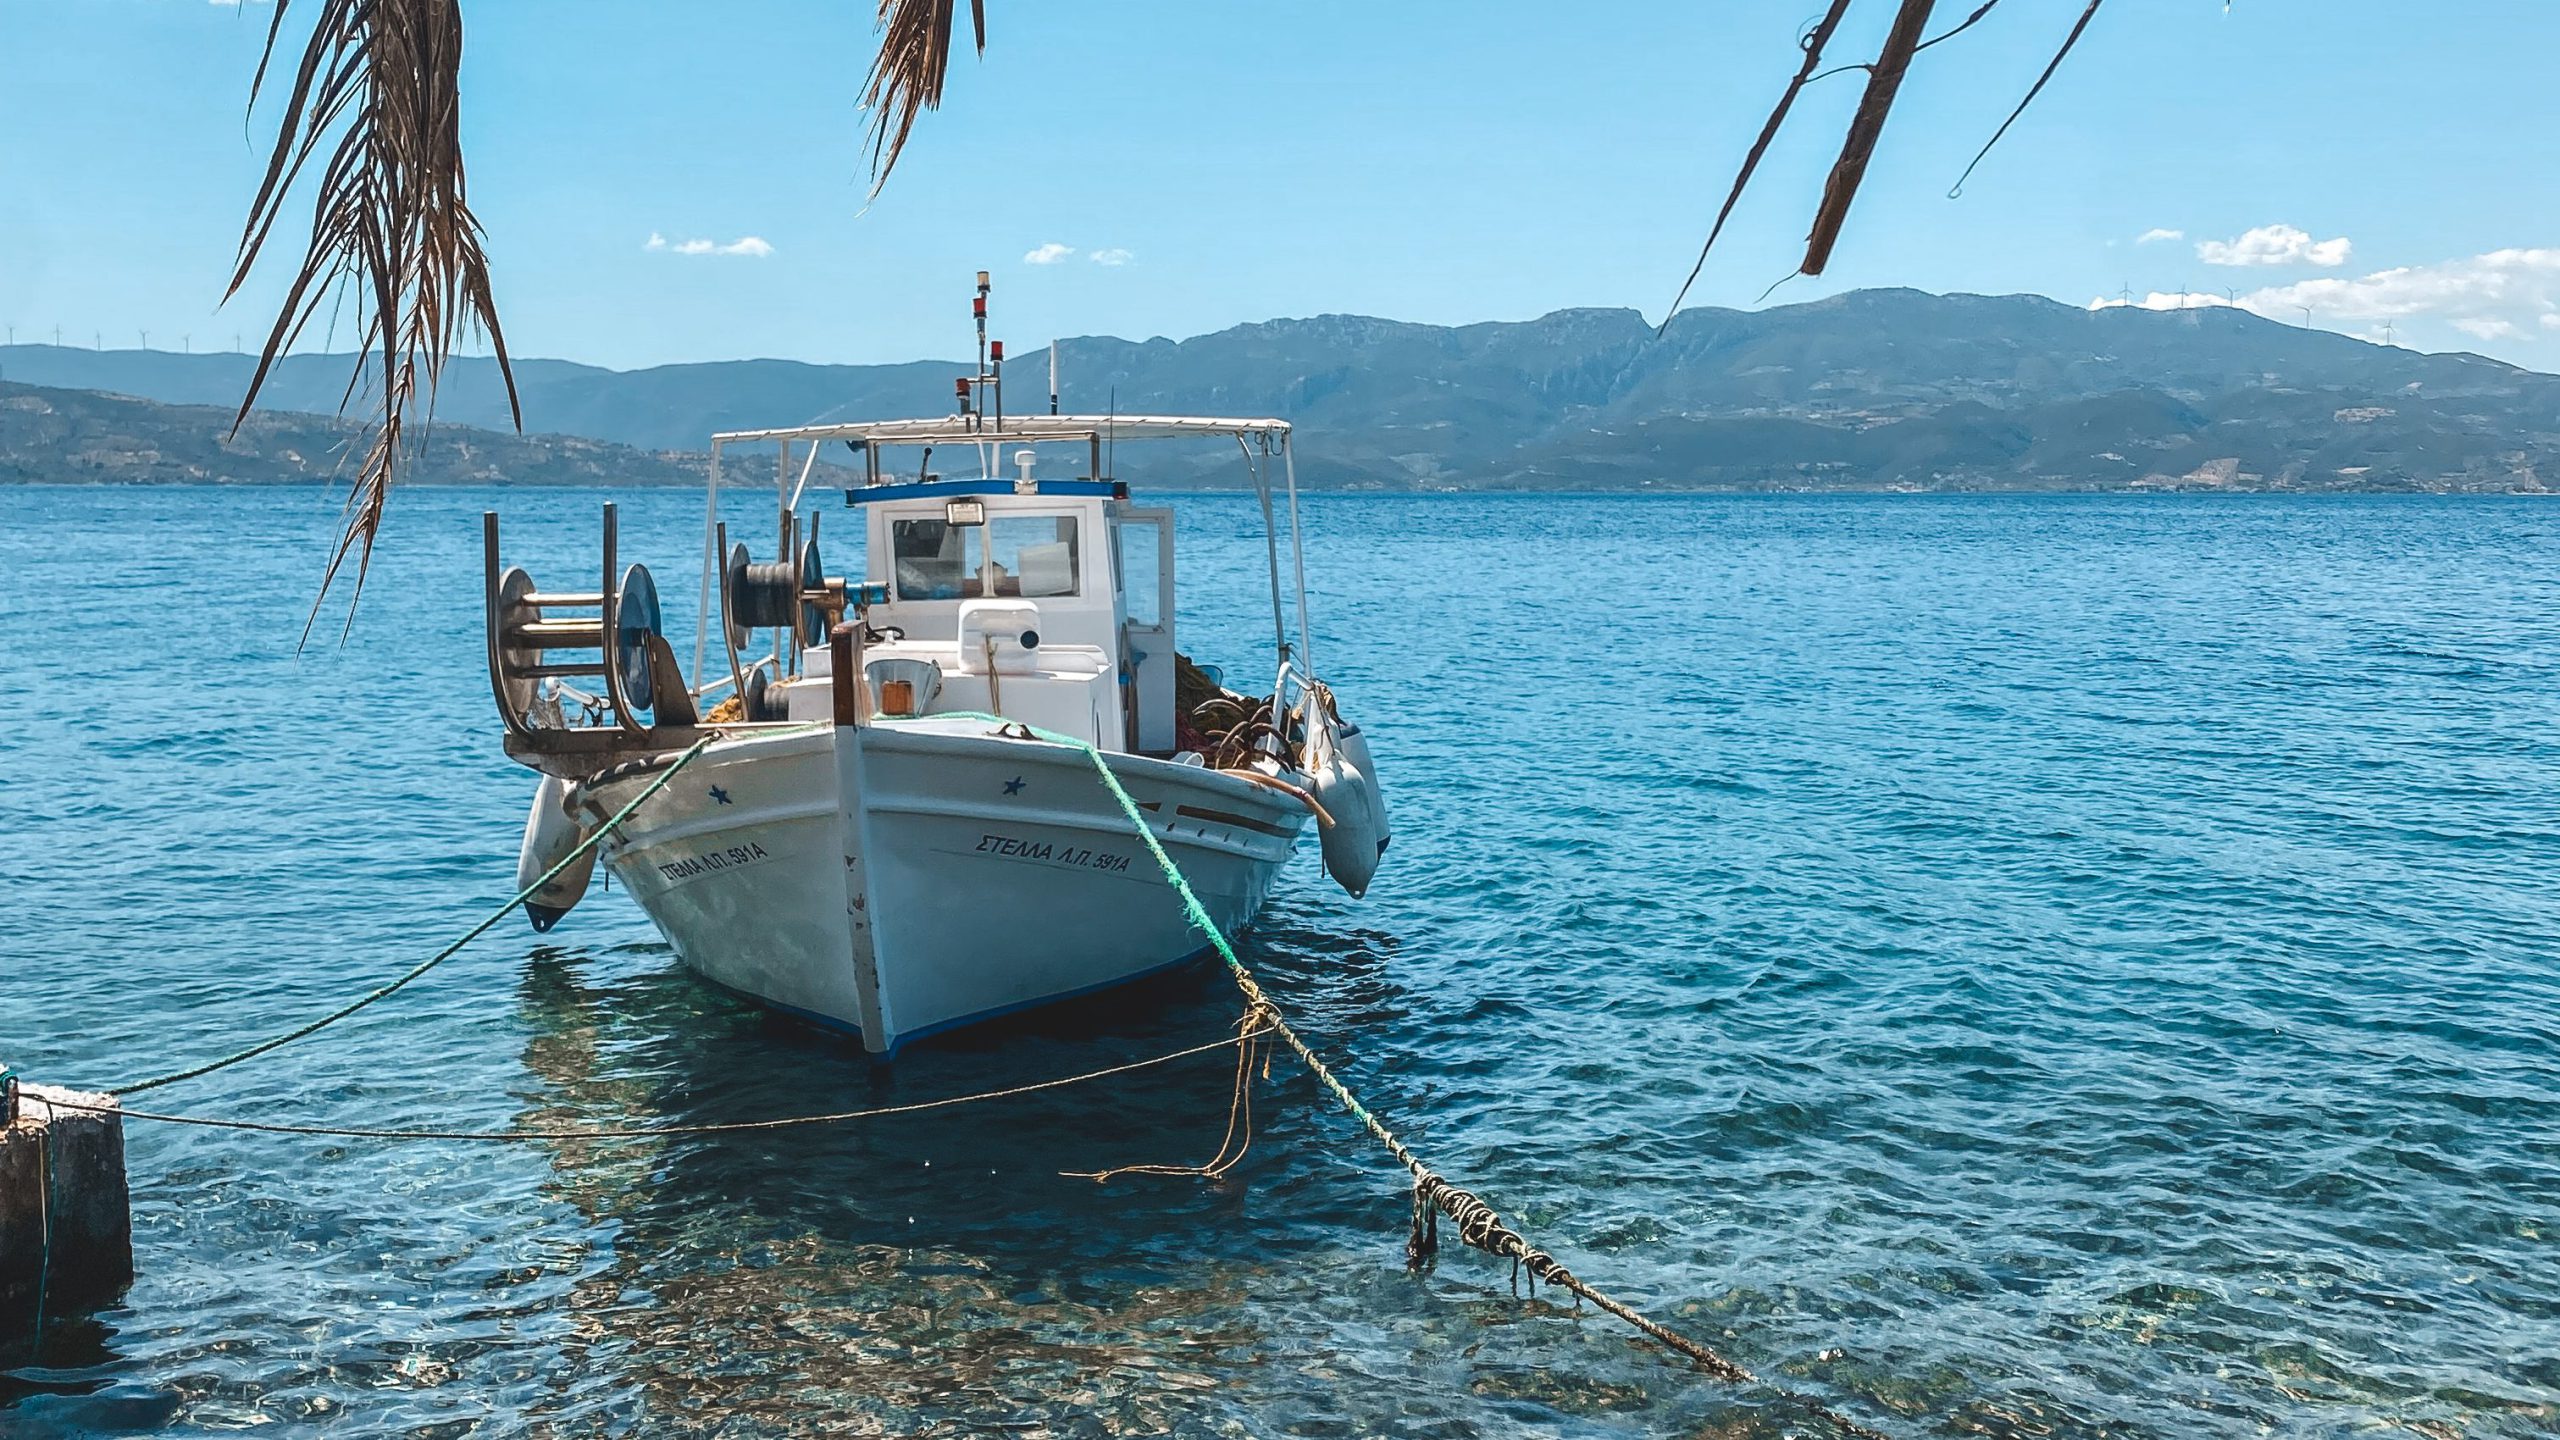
column 66, row 1227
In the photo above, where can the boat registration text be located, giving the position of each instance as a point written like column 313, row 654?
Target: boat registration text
column 1014, row 848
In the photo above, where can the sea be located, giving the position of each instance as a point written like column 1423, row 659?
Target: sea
column 2001, row 965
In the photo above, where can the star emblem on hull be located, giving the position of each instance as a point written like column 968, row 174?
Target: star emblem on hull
column 720, row 795
column 1013, row 786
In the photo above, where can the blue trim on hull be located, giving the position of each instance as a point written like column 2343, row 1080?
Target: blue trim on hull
column 835, row 1026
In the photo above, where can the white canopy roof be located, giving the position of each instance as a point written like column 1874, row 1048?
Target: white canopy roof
column 978, row 430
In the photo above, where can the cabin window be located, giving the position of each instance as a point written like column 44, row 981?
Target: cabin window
column 1027, row 555
column 1035, row 555
column 936, row 560
column 1141, row 576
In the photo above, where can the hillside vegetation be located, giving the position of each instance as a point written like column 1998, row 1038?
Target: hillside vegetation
column 1879, row 389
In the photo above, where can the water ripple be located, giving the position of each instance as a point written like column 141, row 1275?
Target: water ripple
column 2021, row 967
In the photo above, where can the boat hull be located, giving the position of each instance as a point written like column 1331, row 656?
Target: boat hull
column 975, row 874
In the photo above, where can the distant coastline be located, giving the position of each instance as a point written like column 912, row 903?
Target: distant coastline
column 1885, row 391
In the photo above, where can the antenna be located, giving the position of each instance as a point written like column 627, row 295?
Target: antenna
column 979, row 307
column 1111, row 433
column 966, row 383
column 1053, row 377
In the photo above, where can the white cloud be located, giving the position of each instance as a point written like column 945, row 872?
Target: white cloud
column 2155, row 236
column 2491, row 296
column 1111, row 257
column 1049, row 254
column 2275, row 245
column 2162, row 300
column 2508, row 295
column 752, row 246
column 2486, row 328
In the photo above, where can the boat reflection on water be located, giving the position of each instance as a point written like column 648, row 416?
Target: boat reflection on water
column 911, row 1269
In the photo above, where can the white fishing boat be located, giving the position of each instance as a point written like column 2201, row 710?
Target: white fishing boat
column 894, row 826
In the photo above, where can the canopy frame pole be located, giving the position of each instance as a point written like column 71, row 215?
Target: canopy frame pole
column 806, row 468
column 1297, row 550
column 710, row 560
column 1271, row 544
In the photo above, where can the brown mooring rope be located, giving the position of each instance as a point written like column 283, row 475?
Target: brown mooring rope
column 1244, row 1040
column 1251, row 1030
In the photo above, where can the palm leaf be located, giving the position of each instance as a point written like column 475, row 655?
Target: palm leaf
column 1812, row 44
column 375, row 100
column 1884, row 82
column 907, row 74
column 1885, row 74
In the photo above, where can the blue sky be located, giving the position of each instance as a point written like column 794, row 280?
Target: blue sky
column 1187, row 166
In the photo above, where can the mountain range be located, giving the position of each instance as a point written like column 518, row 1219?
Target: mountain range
column 1874, row 389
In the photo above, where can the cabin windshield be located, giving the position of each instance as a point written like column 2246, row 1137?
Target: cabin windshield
column 1031, row 556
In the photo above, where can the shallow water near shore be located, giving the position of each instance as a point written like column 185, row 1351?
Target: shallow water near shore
column 2011, row 966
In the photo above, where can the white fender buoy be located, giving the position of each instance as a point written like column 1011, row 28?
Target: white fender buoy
column 1349, row 793
column 1355, row 748
column 551, row 832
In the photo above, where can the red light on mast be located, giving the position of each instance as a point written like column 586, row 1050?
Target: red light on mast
column 978, row 307
column 995, row 348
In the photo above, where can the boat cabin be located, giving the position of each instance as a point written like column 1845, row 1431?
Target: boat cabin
column 1044, row 601
column 1042, row 596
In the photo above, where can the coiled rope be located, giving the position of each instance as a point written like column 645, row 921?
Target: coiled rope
column 438, row 958
column 1256, row 1024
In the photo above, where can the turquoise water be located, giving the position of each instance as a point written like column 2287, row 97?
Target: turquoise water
column 2010, row 966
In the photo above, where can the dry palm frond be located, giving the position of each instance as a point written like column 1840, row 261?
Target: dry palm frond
column 1813, row 42
column 376, row 98
column 1980, row 12
column 1884, row 81
column 907, row 74
column 2087, row 15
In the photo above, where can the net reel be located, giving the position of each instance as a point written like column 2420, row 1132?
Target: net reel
column 621, row 642
column 793, row 596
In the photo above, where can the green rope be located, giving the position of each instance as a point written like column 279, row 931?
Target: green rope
column 447, row 953
column 1478, row 1224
